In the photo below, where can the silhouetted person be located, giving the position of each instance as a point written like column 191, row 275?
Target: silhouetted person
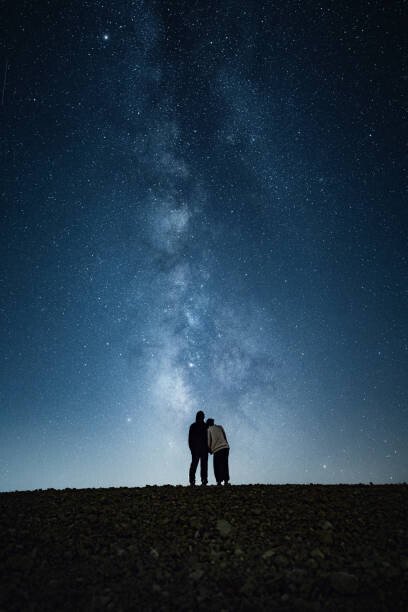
column 197, row 441
column 218, row 445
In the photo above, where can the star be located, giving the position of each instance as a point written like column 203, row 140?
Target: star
column 219, row 223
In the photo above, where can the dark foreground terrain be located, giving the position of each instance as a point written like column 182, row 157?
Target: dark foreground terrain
column 174, row 548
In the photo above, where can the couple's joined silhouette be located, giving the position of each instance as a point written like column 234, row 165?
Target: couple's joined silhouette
column 203, row 438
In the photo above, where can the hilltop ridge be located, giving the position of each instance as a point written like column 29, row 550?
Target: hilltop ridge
column 243, row 547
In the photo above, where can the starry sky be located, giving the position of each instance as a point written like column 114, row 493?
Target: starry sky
column 202, row 208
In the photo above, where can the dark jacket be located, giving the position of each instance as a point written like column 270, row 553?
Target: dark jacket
column 197, row 438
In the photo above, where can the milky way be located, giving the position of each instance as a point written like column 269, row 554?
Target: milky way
column 202, row 209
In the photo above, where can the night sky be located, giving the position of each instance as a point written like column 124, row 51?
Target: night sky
column 202, row 208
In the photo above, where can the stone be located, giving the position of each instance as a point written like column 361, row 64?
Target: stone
column 404, row 563
column 344, row 583
column 197, row 573
column 268, row 554
column 326, row 537
column 224, row 527
column 326, row 525
column 20, row 563
column 281, row 560
column 297, row 575
column 317, row 554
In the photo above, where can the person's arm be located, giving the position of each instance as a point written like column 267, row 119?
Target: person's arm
column 224, row 434
column 209, row 439
column 190, row 437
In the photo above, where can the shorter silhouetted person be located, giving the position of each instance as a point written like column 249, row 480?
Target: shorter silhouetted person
column 219, row 447
column 197, row 441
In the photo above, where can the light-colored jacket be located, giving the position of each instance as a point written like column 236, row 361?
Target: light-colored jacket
column 216, row 438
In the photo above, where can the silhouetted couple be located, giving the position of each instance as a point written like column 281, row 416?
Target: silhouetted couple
column 203, row 438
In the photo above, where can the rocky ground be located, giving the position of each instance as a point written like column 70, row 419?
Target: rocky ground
column 259, row 547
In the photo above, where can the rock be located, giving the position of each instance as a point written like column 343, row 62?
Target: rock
column 197, row 573
column 326, row 537
column 317, row 554
column 20, row 563
column 268, row 554
column 297, row 575
column 404, row 563
column 344, row 583
column 281, row 560
column 326, row 525
column 248, row 587
column 154, row 553
column 224, row 527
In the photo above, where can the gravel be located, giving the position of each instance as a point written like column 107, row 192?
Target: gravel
column 254, row 547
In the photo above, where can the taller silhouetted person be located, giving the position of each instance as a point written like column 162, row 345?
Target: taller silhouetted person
column 197, row 441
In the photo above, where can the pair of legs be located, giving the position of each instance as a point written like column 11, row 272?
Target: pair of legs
column 203, row 459
column 221, row 471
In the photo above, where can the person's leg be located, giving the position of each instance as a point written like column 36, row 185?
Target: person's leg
column 193, row 467
column 204, row 468
column 226, row 468
column 218, row 467
column 221, row 460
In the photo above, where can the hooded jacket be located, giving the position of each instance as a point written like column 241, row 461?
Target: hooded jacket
column 197, row 437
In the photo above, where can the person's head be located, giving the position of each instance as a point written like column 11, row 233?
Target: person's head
column 210, row 422
column 200, row 417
